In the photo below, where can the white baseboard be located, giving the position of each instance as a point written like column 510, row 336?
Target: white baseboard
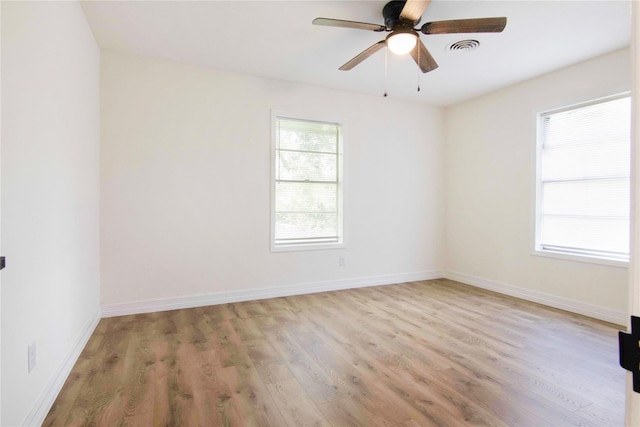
column 608, row 315
column 148, row 306
column 164, row 304
column 44, row 403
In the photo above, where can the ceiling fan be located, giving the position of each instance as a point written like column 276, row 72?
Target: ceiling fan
column 400, row 18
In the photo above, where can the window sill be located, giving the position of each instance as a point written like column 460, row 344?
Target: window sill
column 317, row 247
column 581, row 258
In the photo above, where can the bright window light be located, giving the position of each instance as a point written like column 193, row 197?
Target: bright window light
column 583, row 180
column 307, row 199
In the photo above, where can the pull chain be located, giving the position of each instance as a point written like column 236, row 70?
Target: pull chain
column 386, row 51
column 419, row 69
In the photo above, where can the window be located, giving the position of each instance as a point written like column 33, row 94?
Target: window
column 307, row 184
column 583, row 180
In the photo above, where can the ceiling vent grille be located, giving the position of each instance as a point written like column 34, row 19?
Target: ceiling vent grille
column 464, row 45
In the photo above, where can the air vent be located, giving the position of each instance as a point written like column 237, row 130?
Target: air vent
column 464, row 45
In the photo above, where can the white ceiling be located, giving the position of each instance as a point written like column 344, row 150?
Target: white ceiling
column 276, row 39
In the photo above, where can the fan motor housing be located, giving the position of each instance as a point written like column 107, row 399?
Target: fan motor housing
column 391, row 13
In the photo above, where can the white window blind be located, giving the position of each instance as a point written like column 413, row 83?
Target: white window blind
column 307, row 194
column 584, row 180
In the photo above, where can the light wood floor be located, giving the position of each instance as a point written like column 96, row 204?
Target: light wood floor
column 433, row 353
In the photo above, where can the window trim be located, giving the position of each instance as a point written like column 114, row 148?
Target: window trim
column 276, row 114
column 536, row 247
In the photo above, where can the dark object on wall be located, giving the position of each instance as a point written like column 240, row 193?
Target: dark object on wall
column 630, row 351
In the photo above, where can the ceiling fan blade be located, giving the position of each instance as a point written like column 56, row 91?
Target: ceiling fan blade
column 423, row 58
column 479, row 25
column 362, row 56
column 349, row 24
column 413, row 9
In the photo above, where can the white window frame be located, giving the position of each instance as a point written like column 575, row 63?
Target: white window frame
column 537, row 249
column 341, row 184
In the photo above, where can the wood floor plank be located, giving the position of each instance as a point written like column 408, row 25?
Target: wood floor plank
column 254, row 404
column 428, row 353
column 492, row 397
column 270, row 365
column 102, row 388
column 295, row 405
column 600, row 416
column 410, row 423
column 361, row 387
column 348, row 411
column 64, row 404
column 394, row 372
column 320, row 387
column 249, row 309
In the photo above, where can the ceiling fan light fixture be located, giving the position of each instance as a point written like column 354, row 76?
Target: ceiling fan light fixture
column 401, row 42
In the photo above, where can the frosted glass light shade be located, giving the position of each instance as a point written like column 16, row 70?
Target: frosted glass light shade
column 401, row 43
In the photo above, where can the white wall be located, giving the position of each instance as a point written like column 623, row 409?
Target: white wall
column 490, row 160
column 50, row 199
column 0, row 209
column 185, row 185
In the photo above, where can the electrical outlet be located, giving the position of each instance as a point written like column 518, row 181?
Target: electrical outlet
column 31, row 356
column 342, row 261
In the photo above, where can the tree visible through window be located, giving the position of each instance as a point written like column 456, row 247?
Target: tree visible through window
column 307, row 200
column 583, row 180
